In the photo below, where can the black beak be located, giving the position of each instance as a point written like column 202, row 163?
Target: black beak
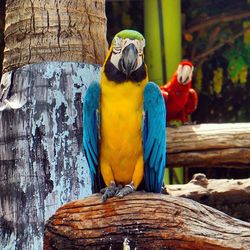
column 128, row 61
column 182, row 80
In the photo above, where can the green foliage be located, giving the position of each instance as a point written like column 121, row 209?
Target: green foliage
column 219, row 47
column 198, row 84
column 238, row 58
column 218, row 80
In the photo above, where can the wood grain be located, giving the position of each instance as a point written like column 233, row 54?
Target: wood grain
column 227, row 195
column 226, row 144
column 69, row 30
column 147, row 221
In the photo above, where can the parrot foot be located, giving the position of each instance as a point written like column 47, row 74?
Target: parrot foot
column 110, row 191
column 126, row 190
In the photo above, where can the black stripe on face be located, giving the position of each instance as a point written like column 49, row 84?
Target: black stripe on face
column 113, row 74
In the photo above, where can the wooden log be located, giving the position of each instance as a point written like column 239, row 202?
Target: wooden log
column 144, row 221
column 225, row 144
column 200, row 186
column 227, row 195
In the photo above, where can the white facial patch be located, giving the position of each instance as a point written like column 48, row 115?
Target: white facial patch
column 118, row 46
column 184, row 74
column 115, row 58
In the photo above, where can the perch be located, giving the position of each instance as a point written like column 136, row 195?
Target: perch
column 146, row 221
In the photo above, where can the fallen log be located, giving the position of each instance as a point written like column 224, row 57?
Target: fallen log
column 227, row 195
column 201, row 145
column 143, row 221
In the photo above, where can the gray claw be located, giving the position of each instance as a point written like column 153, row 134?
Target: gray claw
column 109, row 191
column 126, row 190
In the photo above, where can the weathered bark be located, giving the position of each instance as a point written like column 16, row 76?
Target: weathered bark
column 42, row 164
column 69, row 30
column 209, row 145
column 147, row 221
column 227, row 195
column 2, row 20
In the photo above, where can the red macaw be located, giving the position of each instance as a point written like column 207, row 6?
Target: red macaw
column 180, row 99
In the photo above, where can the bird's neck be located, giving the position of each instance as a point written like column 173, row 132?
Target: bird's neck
column 125, row 88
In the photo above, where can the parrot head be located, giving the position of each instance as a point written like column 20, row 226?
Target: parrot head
column 125, row 60
column 185, row 72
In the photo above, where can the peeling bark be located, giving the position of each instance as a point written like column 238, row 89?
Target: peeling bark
column 69, row 30
column 145, row 221
column 42, row 164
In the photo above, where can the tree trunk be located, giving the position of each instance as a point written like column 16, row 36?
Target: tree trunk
column 69, row 30
column 227, row 195
column 42, row 165
column 209, row 145
column 144, row 221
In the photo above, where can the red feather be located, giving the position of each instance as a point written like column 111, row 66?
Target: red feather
column 180, row 99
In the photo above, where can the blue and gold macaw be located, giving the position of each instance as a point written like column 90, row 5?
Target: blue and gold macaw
column 124, row 122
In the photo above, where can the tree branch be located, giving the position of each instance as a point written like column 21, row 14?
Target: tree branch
column 217, row 19
column 220, row 45
column 227, row 195
column 210, row 145
column 217, row 189
column 144, row 221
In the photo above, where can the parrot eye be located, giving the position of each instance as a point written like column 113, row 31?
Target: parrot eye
column 117, row 45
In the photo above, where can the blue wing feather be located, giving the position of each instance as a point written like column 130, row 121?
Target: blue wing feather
column 91, row 128
column 154, row 137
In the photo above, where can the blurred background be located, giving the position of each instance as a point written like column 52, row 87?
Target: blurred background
column 213, row 34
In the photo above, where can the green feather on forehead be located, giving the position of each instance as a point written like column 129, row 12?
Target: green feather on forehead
column 131, row 34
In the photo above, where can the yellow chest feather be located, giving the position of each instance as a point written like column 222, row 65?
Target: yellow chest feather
column 121, row 127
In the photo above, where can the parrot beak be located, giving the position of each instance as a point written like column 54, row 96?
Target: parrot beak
column 128, row 61
column 184, row 74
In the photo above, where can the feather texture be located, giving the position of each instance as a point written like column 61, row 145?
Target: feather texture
column 154, row 137
column 91, row 128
